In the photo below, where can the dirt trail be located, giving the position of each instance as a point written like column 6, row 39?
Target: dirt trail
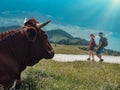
column 72, row 57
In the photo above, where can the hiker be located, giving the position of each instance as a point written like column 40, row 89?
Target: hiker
column 91, row 47
column 102, row 43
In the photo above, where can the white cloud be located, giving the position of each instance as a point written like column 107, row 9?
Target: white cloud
column 74, row 30
column 11, row 21
column 60, row 18
column 109, row 34
column 49, row 16
column 5, row 12
column 17, row 18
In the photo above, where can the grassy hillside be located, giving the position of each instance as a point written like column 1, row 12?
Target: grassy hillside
column 69, row 49
column 51, row 75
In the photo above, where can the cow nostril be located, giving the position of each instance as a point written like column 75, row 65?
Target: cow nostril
column 51, row 53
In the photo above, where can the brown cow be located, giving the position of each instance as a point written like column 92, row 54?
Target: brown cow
column 23, row 47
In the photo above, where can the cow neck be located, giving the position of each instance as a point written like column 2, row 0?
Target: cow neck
column 23, row 62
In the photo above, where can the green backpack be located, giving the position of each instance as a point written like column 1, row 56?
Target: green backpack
column 105, row 42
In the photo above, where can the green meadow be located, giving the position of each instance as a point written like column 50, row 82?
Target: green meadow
column 70, row 49
column 78, row 75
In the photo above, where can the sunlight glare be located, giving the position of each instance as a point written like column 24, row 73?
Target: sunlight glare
column 116, row 2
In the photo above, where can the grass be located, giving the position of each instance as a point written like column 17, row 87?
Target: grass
column 51, row 75
column 69, row 49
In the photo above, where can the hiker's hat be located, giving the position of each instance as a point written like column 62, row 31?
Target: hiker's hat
column 92, row 35
column 101, row 33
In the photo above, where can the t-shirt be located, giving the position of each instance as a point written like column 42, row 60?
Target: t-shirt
column 101, row 40
column 92, row 43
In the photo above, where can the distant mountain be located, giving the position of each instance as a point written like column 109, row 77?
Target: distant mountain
column 61, row 37
column 58, row 35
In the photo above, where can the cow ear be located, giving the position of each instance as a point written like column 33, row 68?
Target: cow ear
column 31, row 34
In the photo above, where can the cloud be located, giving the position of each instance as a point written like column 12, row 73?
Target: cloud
column 8, row 18
column 11, row 21
column 74, row 30
column 5, row 12
column 49, row 16
column 113, row 43
column 17, row 18
column 12, row 12
column 109, row 34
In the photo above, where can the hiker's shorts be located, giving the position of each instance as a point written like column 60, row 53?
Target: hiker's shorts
column 91, row 49
column 99, row 51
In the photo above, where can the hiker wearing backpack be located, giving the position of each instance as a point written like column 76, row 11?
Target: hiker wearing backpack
column 102, row 43
column 91, row 47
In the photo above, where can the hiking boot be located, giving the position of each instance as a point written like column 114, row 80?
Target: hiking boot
column 88, row 59
column 101, row 60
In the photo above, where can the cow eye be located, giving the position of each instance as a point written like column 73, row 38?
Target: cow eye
column 45, row 36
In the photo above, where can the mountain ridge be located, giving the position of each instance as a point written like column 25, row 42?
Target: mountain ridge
column 57, row 35
column 61, row 37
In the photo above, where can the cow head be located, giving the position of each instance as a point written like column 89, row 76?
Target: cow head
column 34, row 23
column 39, row 46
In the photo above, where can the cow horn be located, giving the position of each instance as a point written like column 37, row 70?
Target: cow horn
column 25, row 20
column 43, row 24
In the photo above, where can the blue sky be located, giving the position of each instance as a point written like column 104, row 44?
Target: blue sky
column 77, row 17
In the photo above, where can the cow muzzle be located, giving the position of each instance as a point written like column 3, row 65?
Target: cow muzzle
column 50, row 54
